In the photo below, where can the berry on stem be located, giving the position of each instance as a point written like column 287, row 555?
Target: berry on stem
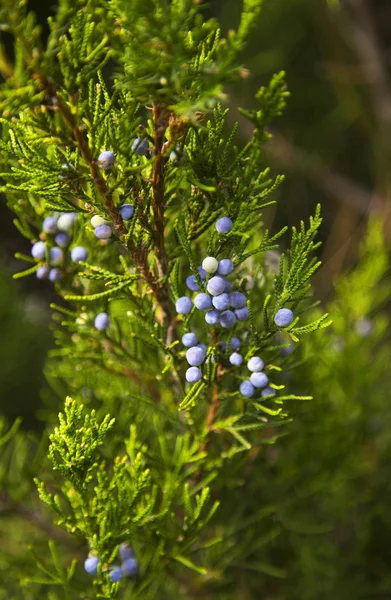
column 102, row 321
column 226, row 266
column 238, row 300
column 125, row 551
column 62, row 239
column 91, row 565
column 210, row 264
column 103, row 232
column 189, row 340
column 183, row 305
column 268, row 391
column 191, row 283
column 49, row 225
column 38, row 250
column 193, row 374
column 42, row 272
column 202, row 273
column 216, row 285
column 224, row 225
column 140, row 147
column 130, row 567
column 221, row 302
column 116, row 574
column 65, row 221
column 235, row 344
column 284, row 317
column 126, row 211
column 212, row 317
column 106, row 160
column 255, row 364
column 56, row 256
column 227, row 319
column 259, row 379
column 55, row 275
column 203, row 301
column 195, row 356
column 236, row 359
column 79, row 254
column 247, row 389
column 242, row 314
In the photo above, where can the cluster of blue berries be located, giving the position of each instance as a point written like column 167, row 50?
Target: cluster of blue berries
column 128, row 568
column 57, row 233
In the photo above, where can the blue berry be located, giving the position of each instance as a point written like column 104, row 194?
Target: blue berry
column 140, row 147
column 65, row 221
column 236, row 359
column 106, row 160
column 227, row 319
column 238, row 300
column 130, row 567
column 91, row 565
column 203, row 301
column 102, row 321
column 38, row 250
column 126, row 211
column 203, row 348
column 259, row 379
column 202, row 273
column 212, row 317
column 183, row 305
column 268, row 391
column 191, row 283
column 247, row 389
column 42, row 272
column 216, row 285
column 116, row 574
column 103, row 232
column 221, row 302
column 228, row 286
column 193, row 374
column 284, row 317
column 210, row 264
column 125, row 551
column 224, row 225
column 49, row 224
column 189, row 340
column 195, row 356
column 242, row 313
column 56, row 256
column 55, row 275
column 62, row 239
column 226, row 266
column 255, row 364
column 235, row 344
column 79, row 254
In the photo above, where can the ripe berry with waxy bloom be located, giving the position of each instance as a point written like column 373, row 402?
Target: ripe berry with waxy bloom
column 259, row 379
column 42, row 272
column 268, row 391
column 102, row 321
column 227, row 319
column 224, row 225
column 116, row 574
column 203, row 301
column 106, row 160
column 38, row 250
column 212, row 317
column 103, row 232
column 247, row 389
column 126, row 211
column 210, row 264
column 242, row 314
column 255, row 364
column 79, row 254
column 183, row 305
column 193, row 374
column 140, row 147
column 284, row 317
column 130, row 567
column 191, row 283
column 221, row 302
column 189, row 340
column 226, row 266
column 55, row 275
column 195, row 356
column 62, row 239
column 91, row 565
column 236, row 359
column 216, row 285
column 238, row 300
column 125, row 551
column 49, row 224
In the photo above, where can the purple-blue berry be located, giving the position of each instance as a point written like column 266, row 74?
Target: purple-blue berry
column 102, row 321
column 42, row 272
column 125, row 551
column 202, row 273
column 193, row 374
column 56, row 256
column 191, row 283
column 116, row 574
column 65, row 221
column 238, row 300
column 259, row 379
column 203, row 301
column 195, row 356
column 268, row 391
column 55, row 275
column 235, row 344
column 49, row 225
column 183, row 305
column 247, row 389
column 126, row 211
column 255, row 364
column 189, row 340
column 212, row 317
column 227, row 319
column 140, row 147
column 228, row 286
column 91, row 565
column 236, row 359
column 226, row 266
column 103, row 232
column 216, row 285
column 79, row 254
column 62, row 239
column 106, row 160
column 284, row 317
column 130, row 567
column 221, row 302
column 224, row 225
column 38, row 250
column 242, row 314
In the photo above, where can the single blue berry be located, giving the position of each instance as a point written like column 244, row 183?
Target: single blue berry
column 210, row 264
column 38, row 250
column 203, row 301
column 103, row 232
column 193, row 374
column 56, row 256
column 255, row 364
column 102, row 321
column 203, row 348
column 247, row 389
column 212, row 317
column 189, row 340
column 140, row 147
column 55, row 275
column 79, row 254
column 106, row 160
column 62, row 239
column 228, row 286
column 224, row 225
column 221, row 302
column 268, row 391
column 226, row 266
column 65, row 221
column 91, row 565
column 130, row 567
column 242, row 314
column 235, row 344
column 116, row 574
column 238, row 300
column 236, row 359
column 216, row 285
column 125, row 551
column 42, row 272
column 126, row 211
column 49, row 224
column 227, row 319
column 195, row 356
column 284, row 317
column 183, row 305
column 202, row 273
column 191, row 283
column 259, row 379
